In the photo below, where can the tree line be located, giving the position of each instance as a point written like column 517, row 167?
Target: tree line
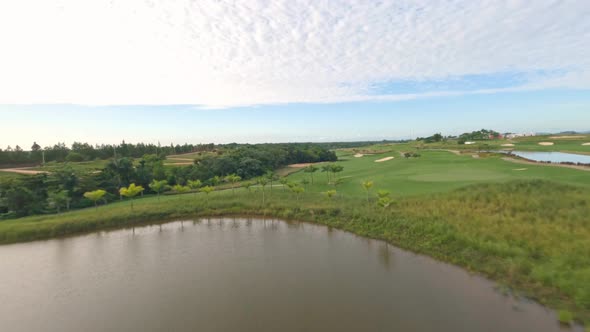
column 66, row 187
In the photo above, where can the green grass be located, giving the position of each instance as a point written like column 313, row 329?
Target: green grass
column 434, row 171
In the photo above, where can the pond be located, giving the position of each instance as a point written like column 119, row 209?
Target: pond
column 233, row 274
column 554, row 157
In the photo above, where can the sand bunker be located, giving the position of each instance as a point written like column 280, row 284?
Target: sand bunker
column 546, row 143
column 384, row 159
column 22, row 171
column 358, row 155
column 566, row 137
column 508, row 144
column 302, row 165
column 520, row 169
column 586, row 144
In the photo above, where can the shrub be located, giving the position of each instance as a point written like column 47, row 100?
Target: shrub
column 565, row 317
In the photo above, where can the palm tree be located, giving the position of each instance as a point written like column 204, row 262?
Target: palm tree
column 131, row 192
column 262, row 181
column 367, row 185
column 327, row 169
column 331, row 194
column 298, row 190
column 95, row 196
column 233, row 178
column 207, row 190
column 193, row 185
column 248, row 186
column 310, row 169
column 284, row 182
column 336, row 169
column 158, row 186
column 180, row 189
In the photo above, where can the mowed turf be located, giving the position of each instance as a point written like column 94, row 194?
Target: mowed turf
column 434, row 171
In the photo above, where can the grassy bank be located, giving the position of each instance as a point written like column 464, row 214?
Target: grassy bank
column 533, row 236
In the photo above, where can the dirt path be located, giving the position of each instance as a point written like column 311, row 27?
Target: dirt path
column 24, row 171
column 526, row 162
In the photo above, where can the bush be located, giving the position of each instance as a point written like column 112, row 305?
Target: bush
column 74, row 157
column 565, row 317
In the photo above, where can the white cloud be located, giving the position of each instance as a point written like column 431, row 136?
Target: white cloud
column 226, row 53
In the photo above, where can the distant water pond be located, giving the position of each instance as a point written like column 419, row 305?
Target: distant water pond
column 553, row 157
column 246, row 275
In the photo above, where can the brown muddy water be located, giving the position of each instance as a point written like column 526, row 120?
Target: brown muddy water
column 246, row 275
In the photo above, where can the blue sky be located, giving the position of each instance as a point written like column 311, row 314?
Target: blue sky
column 533, row 111
column 289, row 70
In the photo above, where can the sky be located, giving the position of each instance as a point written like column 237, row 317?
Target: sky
column 102, row 71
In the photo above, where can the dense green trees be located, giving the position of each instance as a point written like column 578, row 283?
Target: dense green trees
column 31, row 194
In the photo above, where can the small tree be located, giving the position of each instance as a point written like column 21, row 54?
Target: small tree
column 58, row 199
column 158, row 186
column 330, row 194
column 304, row 182
column 193, row 185
column 298, row 190
column 384, row 200
column 95, row 196
column 207, row 190
column 310, row 169
column 271, row 176
column 284, row 182
column 327, row 169
column 248, row 186
column 367, row 185
column 180, row 189
column 215, row 180
column 131, row 192
column 233, row 178
column 335, row 169
column 262, row 181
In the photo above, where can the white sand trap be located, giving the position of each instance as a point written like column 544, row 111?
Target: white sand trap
column 520, row 169
column 586, row 144
column 384, row 159
column 358, row 155
column 508, row 144
column 546, row 143
column 566, row 137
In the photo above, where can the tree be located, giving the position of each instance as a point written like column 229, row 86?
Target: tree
column 131, row 192
column 304, row 182
column 310, row 169
column 298, row 190
column 35, row 147
column 336, row 169
column 384, row 200
column 57, row 199
column 327, row 169
column 271, row 176
column 158, row 186
column 194, row 184
column 367, row 185
column 262, row 181
column 207, row 190
column 247, row 185
column 95, row 196
column 180, row 189
column 284, row 182
column 215, row 180
column 330, row 194
column 232, row 178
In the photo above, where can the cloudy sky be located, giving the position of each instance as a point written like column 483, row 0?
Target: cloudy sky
column 214, row 70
